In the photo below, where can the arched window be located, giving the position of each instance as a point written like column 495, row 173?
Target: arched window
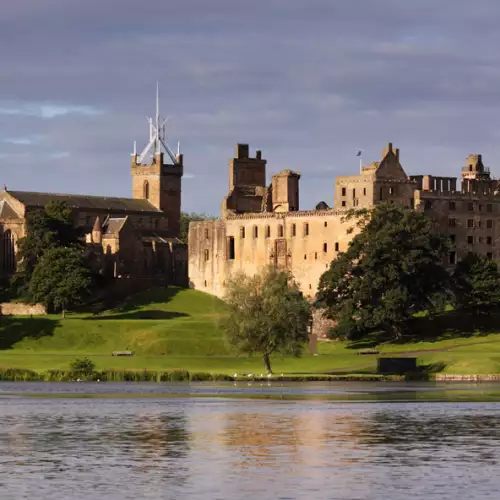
column 146, row 190
column 9, row 252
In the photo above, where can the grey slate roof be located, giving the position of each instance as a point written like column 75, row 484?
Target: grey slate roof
column 81, row 201
column 113, row 225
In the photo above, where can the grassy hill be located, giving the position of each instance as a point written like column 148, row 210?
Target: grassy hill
column 176, row 328
column 158, row 322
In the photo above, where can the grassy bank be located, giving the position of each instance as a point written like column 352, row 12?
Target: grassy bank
column 173, row 329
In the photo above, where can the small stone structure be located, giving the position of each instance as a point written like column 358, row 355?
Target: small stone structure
column 21, row 309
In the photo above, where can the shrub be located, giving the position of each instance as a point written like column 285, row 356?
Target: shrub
column 83, row 366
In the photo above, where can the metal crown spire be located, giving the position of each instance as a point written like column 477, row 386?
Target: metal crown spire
column 157, row 135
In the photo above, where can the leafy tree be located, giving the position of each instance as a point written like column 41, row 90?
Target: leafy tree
column 267, row 314
column 84, row 366
column 186, row 218
column 60, row 279
column 391, row 270
column 476, row 284
column 47, row 228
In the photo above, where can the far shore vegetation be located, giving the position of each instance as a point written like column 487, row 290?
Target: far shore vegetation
column 391, row 294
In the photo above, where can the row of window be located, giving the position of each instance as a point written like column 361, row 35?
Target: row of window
column 452, row 257
column 452, row 206
column 470, row 207
column 231, row 253
column 267, row 231
column 391, row 191
column 470, row 239
column 344, row 192
column 471, row 223
column 479, row 239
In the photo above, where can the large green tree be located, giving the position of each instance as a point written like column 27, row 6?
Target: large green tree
column 391, row 270
column 476, row 284
column 50, row 227
column 60, row 279
column 267, row 314
column 186, row 218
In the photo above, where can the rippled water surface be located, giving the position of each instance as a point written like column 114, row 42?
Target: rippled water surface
column 214, row 442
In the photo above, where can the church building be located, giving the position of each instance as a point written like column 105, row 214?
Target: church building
column 135, row 237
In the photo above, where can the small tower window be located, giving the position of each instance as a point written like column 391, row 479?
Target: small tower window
column 146, row 190
column 294, row 229
column 336, row 247
column 207, row 255
column 280, row 231
column 242, row 232
column 306, row 229
column 344, row 191
column 268, row 231
column 326, row 224
column 255, row 232
column 325, row 247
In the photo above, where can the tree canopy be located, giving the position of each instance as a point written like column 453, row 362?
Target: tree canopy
column 60, row 279
column 392, row 269
column 476, row 284
column 267, row 314
column 50, row 227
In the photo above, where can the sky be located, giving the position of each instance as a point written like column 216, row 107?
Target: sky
column 309, row 82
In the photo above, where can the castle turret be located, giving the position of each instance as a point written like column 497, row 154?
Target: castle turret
column 474, row 169
column 285, row 191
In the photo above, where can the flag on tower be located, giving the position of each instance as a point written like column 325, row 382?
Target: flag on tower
column 360, row 152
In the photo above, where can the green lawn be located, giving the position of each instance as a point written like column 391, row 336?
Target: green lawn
column 180, row 329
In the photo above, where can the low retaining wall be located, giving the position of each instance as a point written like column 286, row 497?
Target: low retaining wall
column 446, row 377
column 21, row 309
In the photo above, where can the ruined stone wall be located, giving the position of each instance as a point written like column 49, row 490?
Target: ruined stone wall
column 303, row 242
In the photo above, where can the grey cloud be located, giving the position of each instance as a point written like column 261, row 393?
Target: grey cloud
column 307, row 81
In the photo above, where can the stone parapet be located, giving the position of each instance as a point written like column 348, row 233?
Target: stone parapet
column 22, row 309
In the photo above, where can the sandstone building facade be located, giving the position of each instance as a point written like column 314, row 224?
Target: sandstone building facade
column 128, row 237
column 263, row 225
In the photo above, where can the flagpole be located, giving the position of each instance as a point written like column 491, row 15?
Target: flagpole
column 361, row 164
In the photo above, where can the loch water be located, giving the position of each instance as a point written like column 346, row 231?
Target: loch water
column 249, row 441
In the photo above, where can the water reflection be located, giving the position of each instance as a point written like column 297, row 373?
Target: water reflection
column 227, row 449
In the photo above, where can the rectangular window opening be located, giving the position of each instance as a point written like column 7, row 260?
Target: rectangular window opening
column 230, row 248
column 453, row 258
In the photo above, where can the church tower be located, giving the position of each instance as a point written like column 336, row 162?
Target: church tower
column 154, row 179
